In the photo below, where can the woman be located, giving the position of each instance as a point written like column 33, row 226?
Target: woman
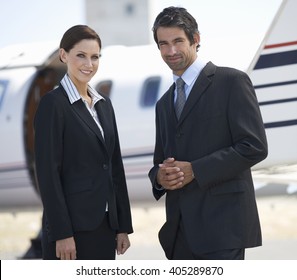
column 78, row 161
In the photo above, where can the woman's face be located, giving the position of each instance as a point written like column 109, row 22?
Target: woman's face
column 82, row 61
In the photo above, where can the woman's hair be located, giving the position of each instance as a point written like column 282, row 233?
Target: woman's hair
column 176, row 17
column 77, row 33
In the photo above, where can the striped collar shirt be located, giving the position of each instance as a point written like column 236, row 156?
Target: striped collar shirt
column 74, row 96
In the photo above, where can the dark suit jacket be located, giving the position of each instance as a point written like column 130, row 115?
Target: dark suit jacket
column 221, row 133
column 78, row 171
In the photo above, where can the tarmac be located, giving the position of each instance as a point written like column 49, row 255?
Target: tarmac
column 278, row 215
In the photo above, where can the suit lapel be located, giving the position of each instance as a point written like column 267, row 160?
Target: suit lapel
column 200, row 86
column 81, row 110
column 103, row 115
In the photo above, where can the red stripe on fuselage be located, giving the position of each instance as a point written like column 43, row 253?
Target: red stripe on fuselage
column 280, row 45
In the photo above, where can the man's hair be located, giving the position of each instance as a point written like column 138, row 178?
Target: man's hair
column 176, row 17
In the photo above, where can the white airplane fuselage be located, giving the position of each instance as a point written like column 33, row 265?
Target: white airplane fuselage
column 135, row 78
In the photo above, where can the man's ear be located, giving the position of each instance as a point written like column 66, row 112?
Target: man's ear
column 197, row 39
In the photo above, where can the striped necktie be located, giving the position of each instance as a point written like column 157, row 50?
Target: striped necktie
column 181, row 97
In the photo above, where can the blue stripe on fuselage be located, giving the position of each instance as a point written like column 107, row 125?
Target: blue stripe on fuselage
column 276, row 59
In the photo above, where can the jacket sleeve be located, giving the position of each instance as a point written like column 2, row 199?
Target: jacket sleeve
column 119, row 181
column 48, row 126
column 249, row 144
column 158, row 191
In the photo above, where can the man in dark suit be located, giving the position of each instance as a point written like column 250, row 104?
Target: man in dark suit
column 204, row 153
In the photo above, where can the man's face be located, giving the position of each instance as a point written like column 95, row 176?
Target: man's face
column 176, row 49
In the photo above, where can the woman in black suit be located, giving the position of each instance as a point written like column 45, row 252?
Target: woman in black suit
column 78, row 161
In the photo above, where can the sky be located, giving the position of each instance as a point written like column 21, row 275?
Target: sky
column 230, row 29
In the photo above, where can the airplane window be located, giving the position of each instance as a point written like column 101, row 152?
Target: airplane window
column 104, row 87
column 129, row 9
column 3, row 85
column 150, row 91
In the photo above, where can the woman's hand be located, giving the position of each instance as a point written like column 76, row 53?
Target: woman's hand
column 123, row 243
column 65, row 249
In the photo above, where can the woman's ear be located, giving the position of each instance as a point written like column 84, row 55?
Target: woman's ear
column 63, row 55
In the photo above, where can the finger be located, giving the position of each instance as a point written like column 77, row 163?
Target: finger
column 119, row 249
column 125, row 248
column 173, row 186
column 169, row 160
column 73, row 256
column 170, row 170
column 175, row 177
column 173, row 170
column 58, row 254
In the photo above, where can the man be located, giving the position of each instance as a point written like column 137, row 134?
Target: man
column 204, row 153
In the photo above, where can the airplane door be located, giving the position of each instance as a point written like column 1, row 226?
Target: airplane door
column 46, row 80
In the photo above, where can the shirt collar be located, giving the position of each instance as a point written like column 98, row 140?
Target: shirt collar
column 192, row 72
column 73, row 93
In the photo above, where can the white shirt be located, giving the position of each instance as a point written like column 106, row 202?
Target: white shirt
column 190, row 76
column 74, row 96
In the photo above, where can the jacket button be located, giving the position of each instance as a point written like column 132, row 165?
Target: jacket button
column 105, row 166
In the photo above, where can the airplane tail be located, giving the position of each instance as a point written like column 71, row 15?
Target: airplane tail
column 273, row 72
column 279, row 46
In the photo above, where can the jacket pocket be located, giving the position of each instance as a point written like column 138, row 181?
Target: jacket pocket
column 235, row 186
column 78, row 186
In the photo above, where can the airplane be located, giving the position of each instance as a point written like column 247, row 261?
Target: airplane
column 135, row 82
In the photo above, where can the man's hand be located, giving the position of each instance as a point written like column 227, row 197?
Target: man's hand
column 65, row 249
column 186, row 168
column 174, row 174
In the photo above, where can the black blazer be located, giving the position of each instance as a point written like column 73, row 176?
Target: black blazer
column 221, row 133
column 78, row 171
